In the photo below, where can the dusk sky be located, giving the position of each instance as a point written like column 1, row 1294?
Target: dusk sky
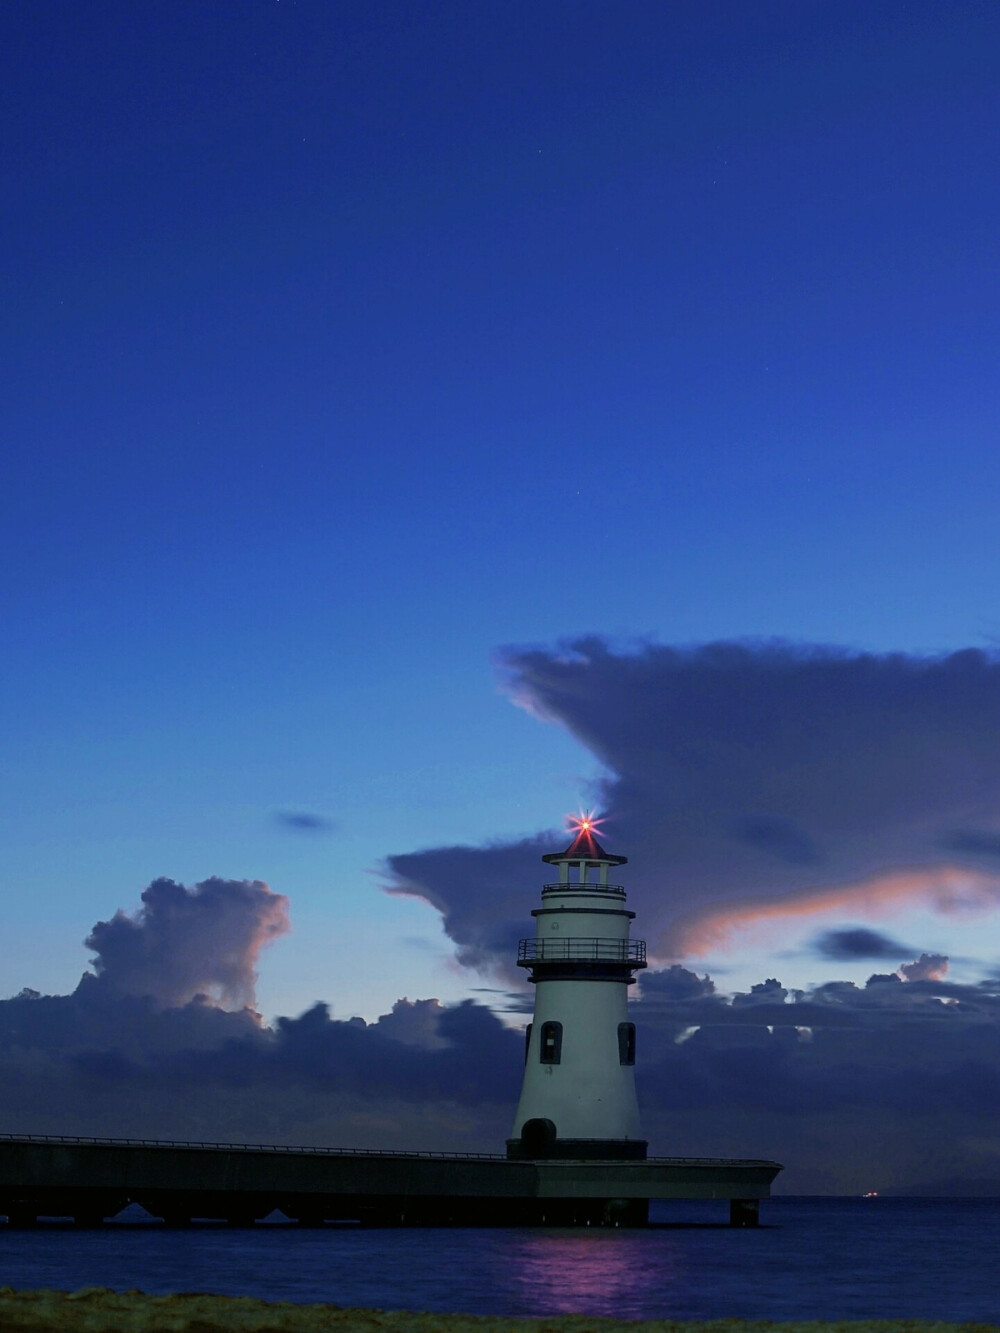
column 422, row 421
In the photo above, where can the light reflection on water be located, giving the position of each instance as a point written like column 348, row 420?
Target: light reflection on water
column 563, row 1272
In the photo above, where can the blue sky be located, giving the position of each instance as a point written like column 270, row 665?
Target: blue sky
column 348, row 344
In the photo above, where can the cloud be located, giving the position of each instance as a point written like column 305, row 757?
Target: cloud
column 415, row 1023
column 677, row 984
column 770, row 991
column 980, row 843
column 857, row 942
column 481, row 892
column 302, row 821
column 879, row 1086
column 749, row 784
column 188, row 942
column 464, row 1054
column 949, row 889
column 928, row 967
column 778, row 837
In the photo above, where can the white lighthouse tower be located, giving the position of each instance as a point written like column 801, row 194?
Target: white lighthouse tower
column 578, row 1096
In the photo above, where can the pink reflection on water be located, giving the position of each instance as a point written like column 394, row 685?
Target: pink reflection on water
column 589, row 1272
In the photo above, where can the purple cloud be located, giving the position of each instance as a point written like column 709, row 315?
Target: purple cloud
column 747, row 781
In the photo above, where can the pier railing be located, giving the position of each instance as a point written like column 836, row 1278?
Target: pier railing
column 85, row 1140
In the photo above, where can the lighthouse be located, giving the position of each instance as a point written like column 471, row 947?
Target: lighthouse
column 578, row 1096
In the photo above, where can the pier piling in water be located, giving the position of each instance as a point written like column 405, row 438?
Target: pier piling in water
column 744, row 1212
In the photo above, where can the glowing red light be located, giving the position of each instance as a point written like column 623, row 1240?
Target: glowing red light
column 583, row 823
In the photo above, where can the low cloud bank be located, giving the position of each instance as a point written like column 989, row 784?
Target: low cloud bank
column 883, row 1086
column 107, row 1064
column 161, row 1039
column 751, row 782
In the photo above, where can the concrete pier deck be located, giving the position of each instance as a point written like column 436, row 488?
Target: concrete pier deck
column 90, row 1180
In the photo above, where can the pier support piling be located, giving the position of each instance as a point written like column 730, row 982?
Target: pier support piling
column 744, row 1212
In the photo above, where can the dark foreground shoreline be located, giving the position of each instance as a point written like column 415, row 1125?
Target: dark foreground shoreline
column 99, row 1310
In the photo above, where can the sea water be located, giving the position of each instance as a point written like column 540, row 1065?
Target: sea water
column 810, row 1259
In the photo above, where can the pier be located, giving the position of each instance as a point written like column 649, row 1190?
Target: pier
column 91, row 1180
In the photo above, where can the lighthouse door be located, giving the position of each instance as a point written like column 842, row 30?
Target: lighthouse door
column 538, row 1138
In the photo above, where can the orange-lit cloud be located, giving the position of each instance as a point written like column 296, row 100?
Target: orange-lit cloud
column 928, row 967
column 186, row 942
column 947, row 889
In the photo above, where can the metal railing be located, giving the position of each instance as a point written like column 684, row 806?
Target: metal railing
column 581, row 949
column 366, row 1152
column 577, row 887
column 84, row 1139
column 561, row 1163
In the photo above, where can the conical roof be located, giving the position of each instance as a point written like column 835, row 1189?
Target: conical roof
column 585, row 849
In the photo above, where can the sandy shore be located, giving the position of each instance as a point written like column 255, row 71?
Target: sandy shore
column 97, row 1310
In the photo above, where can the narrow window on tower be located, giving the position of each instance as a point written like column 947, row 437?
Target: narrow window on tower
column 550, row 1047
column 527, row 1041
column 626, row 1043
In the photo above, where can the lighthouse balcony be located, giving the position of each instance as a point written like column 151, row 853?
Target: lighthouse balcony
column 582, row 886
column 581, row 949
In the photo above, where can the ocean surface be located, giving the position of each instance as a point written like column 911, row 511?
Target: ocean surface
column 810, row 1259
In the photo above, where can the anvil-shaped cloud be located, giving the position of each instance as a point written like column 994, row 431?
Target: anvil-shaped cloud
column 752, row 780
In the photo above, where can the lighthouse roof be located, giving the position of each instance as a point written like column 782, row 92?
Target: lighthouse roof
column 585, row 849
